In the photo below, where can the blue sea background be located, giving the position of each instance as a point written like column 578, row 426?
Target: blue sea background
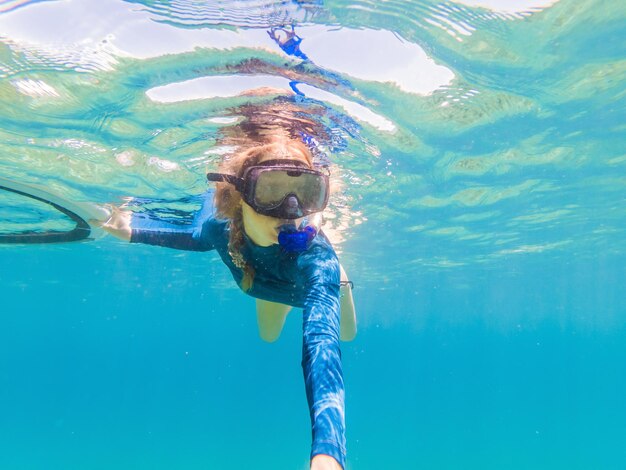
column 482, row 221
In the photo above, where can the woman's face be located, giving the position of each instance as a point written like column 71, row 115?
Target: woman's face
column 262, row 229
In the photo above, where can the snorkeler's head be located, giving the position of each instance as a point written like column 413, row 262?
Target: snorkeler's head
column 273, row 188
column 228, row 199
column 281, row 188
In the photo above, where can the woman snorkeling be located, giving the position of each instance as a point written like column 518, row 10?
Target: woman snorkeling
column 263, row 219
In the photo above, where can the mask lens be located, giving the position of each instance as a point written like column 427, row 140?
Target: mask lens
column 273, row 185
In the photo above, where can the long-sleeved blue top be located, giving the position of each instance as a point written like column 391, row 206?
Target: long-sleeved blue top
column 307, row 280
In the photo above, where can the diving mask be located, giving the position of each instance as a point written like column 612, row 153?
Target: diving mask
column 281, row 188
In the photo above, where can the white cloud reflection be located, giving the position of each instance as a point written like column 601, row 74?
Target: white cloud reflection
column 87, row 33
column 509, row 6
column 225, row 86
column 220, row 86
column 375, row 55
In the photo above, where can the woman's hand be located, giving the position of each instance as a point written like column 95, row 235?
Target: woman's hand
column 324, row 462
column 119, row 222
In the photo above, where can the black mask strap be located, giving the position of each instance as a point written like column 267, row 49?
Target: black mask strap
column 223, row 178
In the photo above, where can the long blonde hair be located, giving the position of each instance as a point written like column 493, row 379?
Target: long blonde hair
column 228, row 200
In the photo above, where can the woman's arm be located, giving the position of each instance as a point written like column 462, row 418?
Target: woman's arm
column 321, row 363
column 136, row 227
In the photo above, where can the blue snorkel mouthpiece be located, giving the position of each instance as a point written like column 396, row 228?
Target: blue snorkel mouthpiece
column 294, row 240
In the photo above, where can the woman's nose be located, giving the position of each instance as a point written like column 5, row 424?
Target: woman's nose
column 292, row 207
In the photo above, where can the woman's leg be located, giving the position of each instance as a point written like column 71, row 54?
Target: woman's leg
column 271, row 319
column 347, row 322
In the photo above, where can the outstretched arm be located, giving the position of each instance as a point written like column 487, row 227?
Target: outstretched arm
column 139, row 228
column 321, row 363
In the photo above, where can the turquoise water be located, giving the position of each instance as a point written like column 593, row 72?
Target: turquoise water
column 479, row 161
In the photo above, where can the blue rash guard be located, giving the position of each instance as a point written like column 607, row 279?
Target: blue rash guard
column 307, row 280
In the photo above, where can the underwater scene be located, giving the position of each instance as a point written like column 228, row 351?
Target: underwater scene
column 476, row 158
